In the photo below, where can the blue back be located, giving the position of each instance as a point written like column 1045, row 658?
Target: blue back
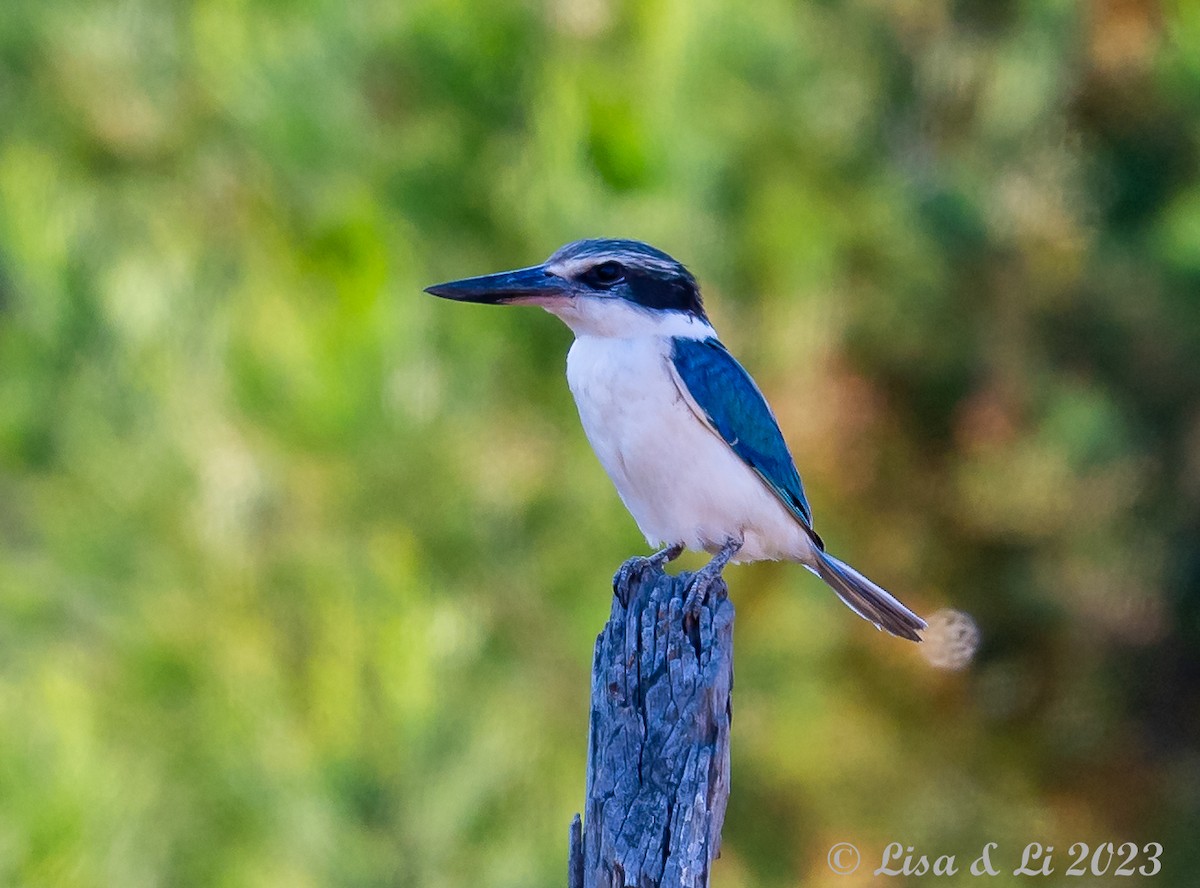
column 736, row 409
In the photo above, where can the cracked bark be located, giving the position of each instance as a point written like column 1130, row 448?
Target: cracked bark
column 658, row 742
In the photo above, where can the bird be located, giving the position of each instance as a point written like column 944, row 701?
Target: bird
column 681, row 428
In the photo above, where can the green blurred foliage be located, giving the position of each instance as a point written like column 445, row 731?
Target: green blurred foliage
column 300, row 569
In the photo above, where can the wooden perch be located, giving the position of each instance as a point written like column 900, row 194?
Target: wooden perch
column 658, row 743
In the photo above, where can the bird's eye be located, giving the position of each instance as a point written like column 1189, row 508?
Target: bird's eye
column 606, row 274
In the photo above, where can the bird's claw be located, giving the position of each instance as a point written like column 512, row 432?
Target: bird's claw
column 666, row 556
column 706, row 579
column 629, row 573
column 699, row 590
column 635, row 568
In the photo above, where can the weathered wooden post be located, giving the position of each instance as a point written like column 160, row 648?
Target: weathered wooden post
column 658, row 742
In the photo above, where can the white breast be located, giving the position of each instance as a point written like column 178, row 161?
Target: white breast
column 679, row 480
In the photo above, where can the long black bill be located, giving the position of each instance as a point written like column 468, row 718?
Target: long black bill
column 500, row 289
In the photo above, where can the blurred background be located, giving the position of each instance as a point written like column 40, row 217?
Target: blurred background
column 301, row 569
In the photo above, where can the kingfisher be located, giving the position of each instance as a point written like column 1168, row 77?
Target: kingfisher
column 678, row 424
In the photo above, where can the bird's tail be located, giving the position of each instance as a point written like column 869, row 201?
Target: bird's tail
column 867, row 599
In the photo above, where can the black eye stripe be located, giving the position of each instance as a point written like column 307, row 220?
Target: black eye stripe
column 606, row 274
column 629, row 270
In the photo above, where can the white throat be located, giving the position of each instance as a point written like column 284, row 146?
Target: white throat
column 617, row 319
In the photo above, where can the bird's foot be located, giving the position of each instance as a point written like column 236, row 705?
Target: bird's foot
column 666, row 556
column 703, row 581
column 635, row 568
column 628, row 574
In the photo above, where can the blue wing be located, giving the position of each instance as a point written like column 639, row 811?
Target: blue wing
column 736, row 410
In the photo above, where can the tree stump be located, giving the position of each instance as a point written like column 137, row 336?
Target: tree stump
column 658, row 741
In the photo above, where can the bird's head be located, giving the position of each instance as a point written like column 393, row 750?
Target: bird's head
column 598, row 287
